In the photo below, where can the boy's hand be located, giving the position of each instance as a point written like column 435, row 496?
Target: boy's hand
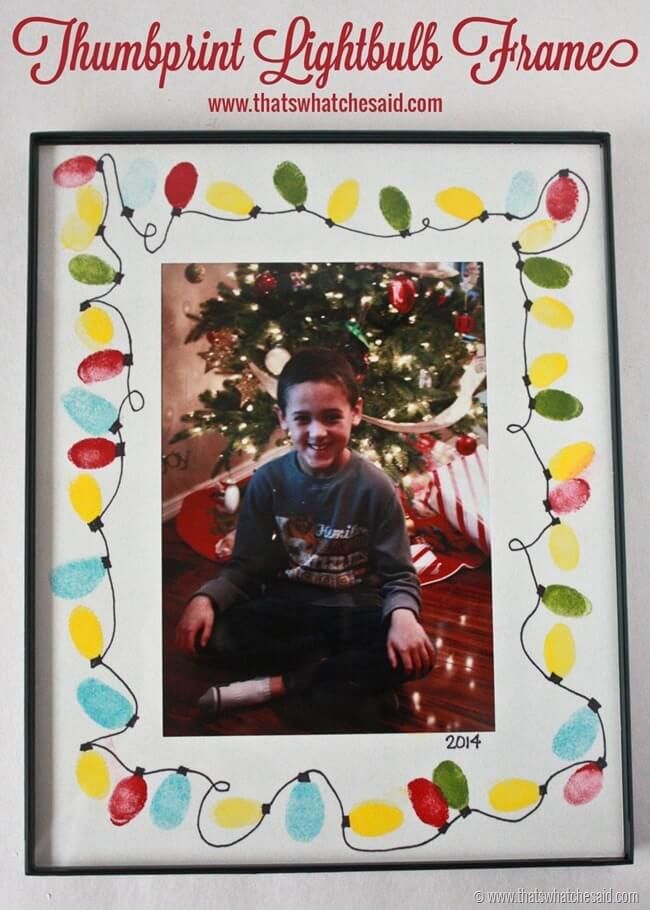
column 195, row 624
column 409, row 644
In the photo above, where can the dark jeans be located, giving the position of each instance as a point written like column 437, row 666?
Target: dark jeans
column 339, row 649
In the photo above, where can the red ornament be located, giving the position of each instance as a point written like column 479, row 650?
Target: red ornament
column 401, row 293
column 441, row 297
column 266, row 282
column 464, row 323
column 466, row 445
column 93, row 453
column 180, row 184
column 75, row 171
column 424, row 443
column 562, row 199
column 429, row 802
column 128, row 798
column 100, row 366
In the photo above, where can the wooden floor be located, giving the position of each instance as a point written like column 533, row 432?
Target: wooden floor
column 457, row 696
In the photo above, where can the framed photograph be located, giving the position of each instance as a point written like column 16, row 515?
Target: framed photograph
column 363, row 605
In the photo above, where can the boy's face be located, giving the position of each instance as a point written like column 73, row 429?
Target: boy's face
column 319, row 420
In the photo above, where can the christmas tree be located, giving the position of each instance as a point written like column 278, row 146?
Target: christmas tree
column 408, row 329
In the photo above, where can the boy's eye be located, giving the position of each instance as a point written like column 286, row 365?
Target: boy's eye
column 303, row 419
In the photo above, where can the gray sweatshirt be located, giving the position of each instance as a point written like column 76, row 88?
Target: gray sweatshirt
column 336, row 540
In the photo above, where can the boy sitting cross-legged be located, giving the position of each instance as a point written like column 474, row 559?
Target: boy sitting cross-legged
column 320, row 593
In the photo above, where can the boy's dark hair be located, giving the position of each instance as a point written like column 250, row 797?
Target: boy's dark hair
column 317, row 365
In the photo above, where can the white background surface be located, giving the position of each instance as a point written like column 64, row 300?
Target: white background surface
column 613, row 100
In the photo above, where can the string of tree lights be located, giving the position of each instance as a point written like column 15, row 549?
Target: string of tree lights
column 572, row 491
column 441, row 799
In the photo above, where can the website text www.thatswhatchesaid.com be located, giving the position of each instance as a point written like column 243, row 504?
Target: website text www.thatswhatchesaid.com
column 332, row 103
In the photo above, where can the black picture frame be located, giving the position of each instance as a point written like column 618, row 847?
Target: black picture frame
column 34, row 758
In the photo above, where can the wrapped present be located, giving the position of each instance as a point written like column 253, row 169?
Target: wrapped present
column 432, row 567
column 458, row 491
column 207, row 518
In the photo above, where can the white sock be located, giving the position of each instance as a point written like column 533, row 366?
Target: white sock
column 236, row 695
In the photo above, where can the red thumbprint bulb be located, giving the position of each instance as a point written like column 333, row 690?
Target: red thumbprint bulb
column 562, row 198
column 180, row 184
column 95, row 452
column 101, row 365
column 128, row 798
column 75, row 171
column 429, row 802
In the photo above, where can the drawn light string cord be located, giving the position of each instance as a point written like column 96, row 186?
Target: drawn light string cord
column 136, row 402
column 557, row 681
column 516, row 544
column 151, row 229
column 543, row 793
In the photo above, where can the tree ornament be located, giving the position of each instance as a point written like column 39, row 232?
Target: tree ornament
column 224, row 338
column 363, row 365
column 464, row 323
column 223, row 344
column 232, row 497
column 247, row 385
column 297, row 281
column 424, row 443
column 401, row 293
column 470, row 277
column 276, row 359
column 425, row 380
column 355, row 347
column 195, row 273
column 266, row 282
column 466, row 445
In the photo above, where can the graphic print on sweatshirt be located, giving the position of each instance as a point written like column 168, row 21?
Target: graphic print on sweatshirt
column 322, row 555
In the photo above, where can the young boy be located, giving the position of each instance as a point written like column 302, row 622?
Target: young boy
column 320, row 592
